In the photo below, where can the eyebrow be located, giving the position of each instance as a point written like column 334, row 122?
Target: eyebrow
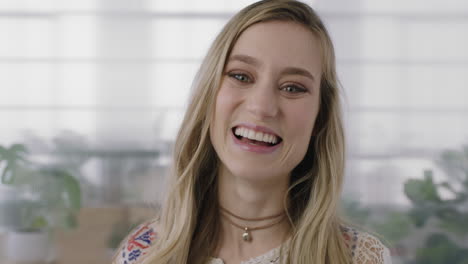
column 298, row 71
column 287, row 71
column 246, row 59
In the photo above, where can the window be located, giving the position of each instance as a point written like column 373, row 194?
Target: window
column 111, row 79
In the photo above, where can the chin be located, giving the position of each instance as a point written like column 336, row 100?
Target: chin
column 256, row 172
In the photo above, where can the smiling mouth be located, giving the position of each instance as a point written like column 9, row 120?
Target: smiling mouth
column 258, row 138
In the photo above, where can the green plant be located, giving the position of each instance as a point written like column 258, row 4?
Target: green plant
column 13, row 160
column 393, row 225
column 439, row 248
column 47, row 196
column 450, row 214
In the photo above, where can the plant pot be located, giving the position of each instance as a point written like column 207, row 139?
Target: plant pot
column 34, row 246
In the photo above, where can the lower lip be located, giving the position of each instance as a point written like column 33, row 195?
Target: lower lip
column 253, row 147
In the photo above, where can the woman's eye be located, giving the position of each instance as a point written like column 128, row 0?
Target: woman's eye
column 293, row 89
column 240, row 77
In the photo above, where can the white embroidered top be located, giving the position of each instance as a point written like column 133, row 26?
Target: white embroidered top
column 365, row 248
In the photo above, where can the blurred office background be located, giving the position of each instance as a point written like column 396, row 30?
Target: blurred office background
column 95, row 91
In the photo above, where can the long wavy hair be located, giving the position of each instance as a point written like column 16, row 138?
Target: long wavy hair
column 189, row 220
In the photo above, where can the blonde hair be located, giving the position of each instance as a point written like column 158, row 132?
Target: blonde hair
column 189, row 222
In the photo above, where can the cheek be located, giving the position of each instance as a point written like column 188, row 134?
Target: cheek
column 226, row 98
column 224, row 108
column 300, row 126
column 302, row 121
column 226, row 101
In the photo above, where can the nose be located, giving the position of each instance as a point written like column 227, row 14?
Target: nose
column 262, row 102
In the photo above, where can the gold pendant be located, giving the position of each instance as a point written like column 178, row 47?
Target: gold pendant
column 246, row 235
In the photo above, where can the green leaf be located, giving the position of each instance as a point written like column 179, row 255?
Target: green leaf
column 421, row 191
column 71, row 221
column 67, row 185
column 13, row 157
column 419, row 216
column 18, row 149
column 39, row 223
column 455, row 223
column 438, row 249
column 73, row 191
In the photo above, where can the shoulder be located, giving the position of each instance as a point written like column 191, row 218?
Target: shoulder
column 138, row 243
column 365, row 248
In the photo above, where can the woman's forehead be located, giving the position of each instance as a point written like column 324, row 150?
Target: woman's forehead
column 280, row 43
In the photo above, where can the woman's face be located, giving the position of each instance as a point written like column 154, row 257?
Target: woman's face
column 268, row 101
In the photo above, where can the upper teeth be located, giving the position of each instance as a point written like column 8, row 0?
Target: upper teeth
column 255, row 135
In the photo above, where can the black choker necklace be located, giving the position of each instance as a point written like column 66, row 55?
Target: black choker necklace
column 246, row 235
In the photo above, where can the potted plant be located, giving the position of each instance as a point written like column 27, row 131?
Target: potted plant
column 37, row 200
column 450, row 213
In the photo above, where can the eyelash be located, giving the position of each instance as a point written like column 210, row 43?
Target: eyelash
column 237, row 76
column 298, row 89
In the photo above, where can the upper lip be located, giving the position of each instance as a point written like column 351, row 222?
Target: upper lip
column 258, row 128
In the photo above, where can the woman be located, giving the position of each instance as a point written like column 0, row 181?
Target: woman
column 259, row 159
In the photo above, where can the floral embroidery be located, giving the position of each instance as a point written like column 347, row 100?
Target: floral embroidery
column 141, row 239
column 137, row 242
column 351, row 236
column 134, row 254
column 364, row 248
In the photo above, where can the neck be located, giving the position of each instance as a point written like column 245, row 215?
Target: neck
column 249, row 199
